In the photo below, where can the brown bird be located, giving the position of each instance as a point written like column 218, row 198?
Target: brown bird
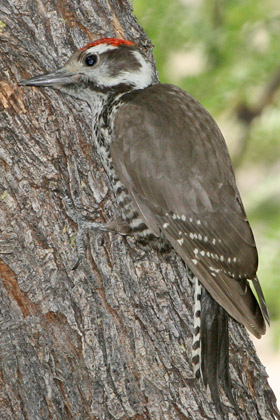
column 173, row 180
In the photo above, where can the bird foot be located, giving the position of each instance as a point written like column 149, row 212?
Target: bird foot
column 117, row 226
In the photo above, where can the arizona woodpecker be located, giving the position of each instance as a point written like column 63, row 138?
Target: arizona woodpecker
column 174, row 183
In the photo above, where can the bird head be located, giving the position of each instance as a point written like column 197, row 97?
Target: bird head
column 105, row 65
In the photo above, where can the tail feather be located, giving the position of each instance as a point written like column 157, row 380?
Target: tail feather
column 263, row 306
column 213, row 346
column 196, row 346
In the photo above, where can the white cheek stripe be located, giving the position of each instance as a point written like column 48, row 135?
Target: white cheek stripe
column 139, row 78
column 101, row 48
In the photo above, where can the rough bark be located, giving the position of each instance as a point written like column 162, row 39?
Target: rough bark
column 111, row 339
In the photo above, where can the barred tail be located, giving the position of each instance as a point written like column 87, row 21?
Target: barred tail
column 196, row 346
column 211, row 346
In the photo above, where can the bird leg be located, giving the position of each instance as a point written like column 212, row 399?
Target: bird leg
column 117, row 226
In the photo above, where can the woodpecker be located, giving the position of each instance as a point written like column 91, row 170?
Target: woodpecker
column 172, row 176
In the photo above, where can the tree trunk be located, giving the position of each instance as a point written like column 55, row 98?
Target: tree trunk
column 111, row 339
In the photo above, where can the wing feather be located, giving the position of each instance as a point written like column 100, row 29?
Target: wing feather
column 174, row 162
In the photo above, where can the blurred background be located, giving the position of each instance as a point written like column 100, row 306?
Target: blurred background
column 226, row 53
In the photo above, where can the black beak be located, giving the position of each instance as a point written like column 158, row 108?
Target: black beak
column 58, row 77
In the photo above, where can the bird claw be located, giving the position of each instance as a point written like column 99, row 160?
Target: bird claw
column 77, row 263
column 76, row 214
column 83, row 227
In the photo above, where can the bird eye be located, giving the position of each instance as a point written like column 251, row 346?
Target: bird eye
column 91, row 59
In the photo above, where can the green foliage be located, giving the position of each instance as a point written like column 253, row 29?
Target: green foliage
column 228, row 55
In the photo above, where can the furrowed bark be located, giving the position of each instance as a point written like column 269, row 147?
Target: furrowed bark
column 111, row 339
